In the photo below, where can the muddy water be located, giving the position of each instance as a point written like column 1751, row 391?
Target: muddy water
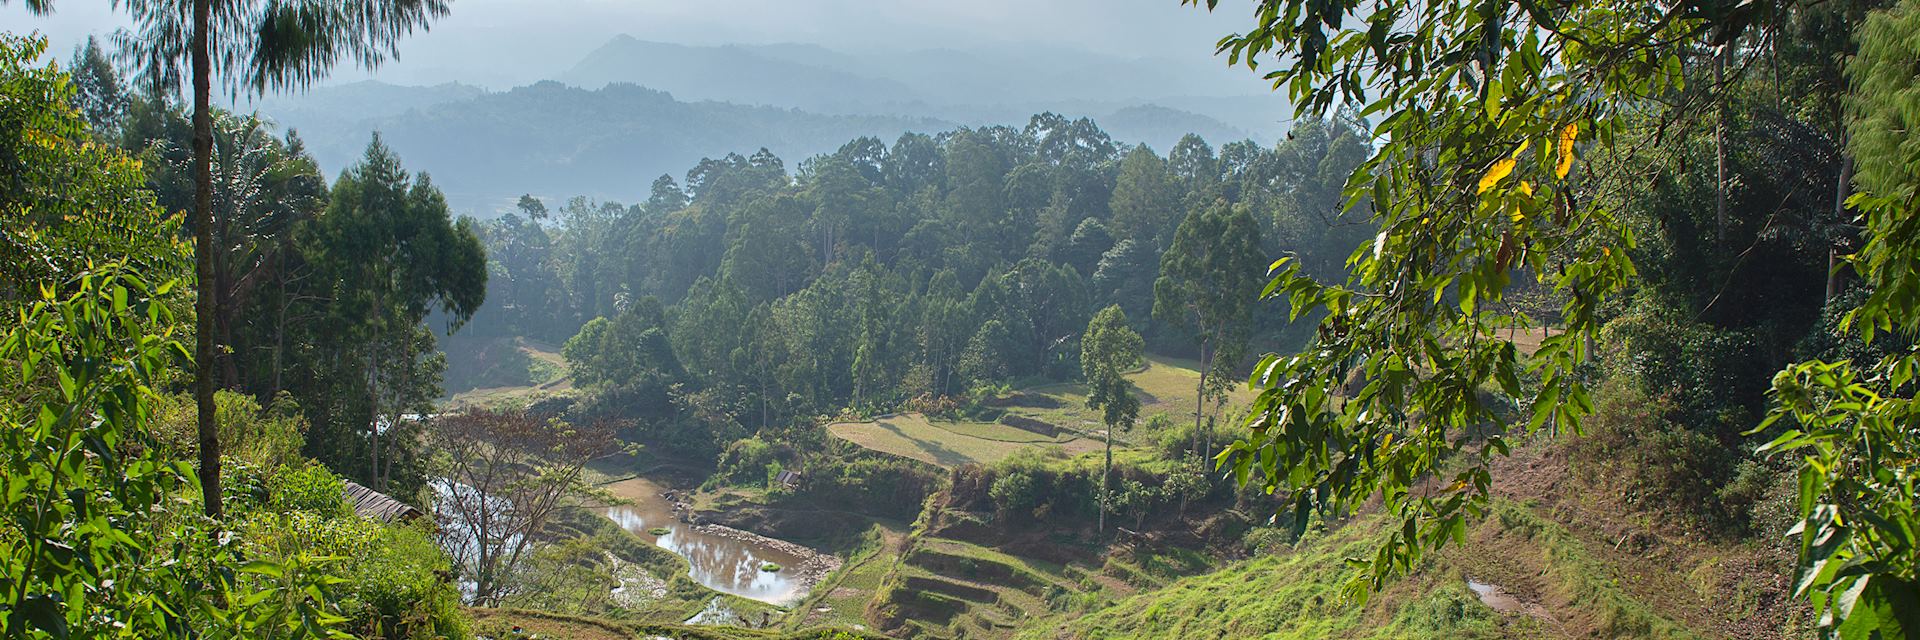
column 1503, row 601
column 723, row 563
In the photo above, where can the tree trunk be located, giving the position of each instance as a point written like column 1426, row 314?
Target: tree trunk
column 279, row 336
column 1836, row 279
column 205, row 351
column 1200, row 395
column 1720, row 145
column 373, row 406
column 373, row 410
column 1106, row 472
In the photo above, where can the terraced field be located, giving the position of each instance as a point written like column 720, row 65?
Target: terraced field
column 950, row 444
column 952, row 589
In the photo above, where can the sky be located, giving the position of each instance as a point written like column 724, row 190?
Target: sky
column 504, row 43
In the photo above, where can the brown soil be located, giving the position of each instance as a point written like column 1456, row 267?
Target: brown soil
column 1715, row 588
column 546, row 625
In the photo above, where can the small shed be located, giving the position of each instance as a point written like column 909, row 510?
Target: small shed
column 378, row 506
column 789, row 478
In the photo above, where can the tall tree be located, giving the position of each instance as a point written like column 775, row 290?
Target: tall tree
column 1209, row 279
column 1109, row 349
column 97, row 91
column 392, row 254
column 1143, row 202
column 258, row 46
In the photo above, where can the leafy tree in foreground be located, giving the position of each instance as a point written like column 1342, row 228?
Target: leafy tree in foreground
column 262, row 46
column 1853, row 423
column 1109, row 349
column 64, row 200
column 1482, row 111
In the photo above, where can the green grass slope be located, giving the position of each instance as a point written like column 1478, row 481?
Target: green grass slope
column 1295, row 594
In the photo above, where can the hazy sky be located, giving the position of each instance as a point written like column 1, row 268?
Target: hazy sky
column 501, row 43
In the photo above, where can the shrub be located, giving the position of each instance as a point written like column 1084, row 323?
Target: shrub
column 1013, row 492
column 269, row 437
column 310, row 488
column 399, row 593
column 1633, row 447
column 746, row 461
column 1265, row 540
column 1176, row 439
column 392, row 574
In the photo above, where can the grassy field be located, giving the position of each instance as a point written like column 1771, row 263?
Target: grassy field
column 948, row 443
column 548, row 370
column 1165, row 385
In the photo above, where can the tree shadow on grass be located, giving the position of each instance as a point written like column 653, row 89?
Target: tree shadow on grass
column 942, row 455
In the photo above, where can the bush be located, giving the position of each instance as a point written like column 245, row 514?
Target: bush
column 269, row 437
column 1266, row 540
column 1634, row 448
column 1177, row 441
column 392, row 574
column 310, row 488
column 399, row 592
column 1013, row 493
column 869, row 482
column 1714, row 379
column 746, row 461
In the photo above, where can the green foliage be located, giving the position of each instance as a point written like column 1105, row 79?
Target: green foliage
column 1850, row 423
column 269, row 437
column 1632, row 448
column 1109, row 349
column 746, row 459
column 310, row 488
column 1014, row 493
column 387, row 253
column 384, row 580
column 67, row 201
column 1291, row 595
column 1478, row 124
column 81, row 480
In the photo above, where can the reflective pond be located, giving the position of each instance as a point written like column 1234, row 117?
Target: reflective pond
column 721, row 562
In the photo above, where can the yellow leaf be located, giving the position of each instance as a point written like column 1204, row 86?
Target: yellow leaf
column 1526, row 188
column 1566, row 150
column 1518, row 215
column 1496, row 173
column 1500, row 170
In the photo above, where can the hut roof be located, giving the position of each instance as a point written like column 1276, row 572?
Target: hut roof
column 378, row 506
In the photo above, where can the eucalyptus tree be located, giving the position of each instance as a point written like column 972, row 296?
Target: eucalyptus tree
column 256, row 46
column 1208, row 282
column 1107, row 351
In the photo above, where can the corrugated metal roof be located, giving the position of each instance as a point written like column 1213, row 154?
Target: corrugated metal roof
column 379, row 506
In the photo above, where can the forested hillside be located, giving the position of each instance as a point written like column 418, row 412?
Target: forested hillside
column 882, row 275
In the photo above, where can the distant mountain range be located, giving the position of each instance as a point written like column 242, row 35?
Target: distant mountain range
column 971, row 87
column 648, row 109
